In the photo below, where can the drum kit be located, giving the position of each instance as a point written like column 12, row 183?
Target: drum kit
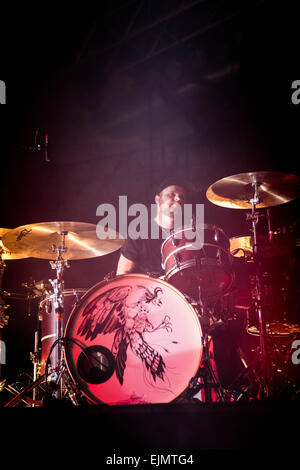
column 133, row 338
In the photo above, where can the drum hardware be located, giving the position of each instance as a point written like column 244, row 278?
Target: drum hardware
column 258, row 290
column 48, row 384
column 3, row 307
column 206, row 379
column 24, row 393
column 37, row 289
column 58, row 367
column 36, row 360
column 248, row 384
column 110, row 275
column 58, row 302
column 12, row 389
column 20, row 390
column 257, row 190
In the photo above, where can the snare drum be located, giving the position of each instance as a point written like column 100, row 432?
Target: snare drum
column 207, row 269
column 47, row 316
column 132, row 340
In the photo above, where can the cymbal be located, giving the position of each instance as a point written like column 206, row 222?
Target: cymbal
column 241, row 246
column 277, row 329
column 281, row 244
column 81, row 241
column 6, row 254
column 236, row 191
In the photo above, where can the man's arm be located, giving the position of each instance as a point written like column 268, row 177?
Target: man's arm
column 125, row 266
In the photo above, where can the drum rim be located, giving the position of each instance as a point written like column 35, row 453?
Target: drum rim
column 185, row 247
column 94, row 288
column 203, row 226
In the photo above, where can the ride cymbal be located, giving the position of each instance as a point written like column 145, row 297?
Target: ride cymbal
column 41, row 240
column 236, row 192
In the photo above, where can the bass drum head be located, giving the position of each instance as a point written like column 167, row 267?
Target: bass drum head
column 133, row 340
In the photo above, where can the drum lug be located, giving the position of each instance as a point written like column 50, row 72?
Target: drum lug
column 48, row 306
column 175, row 241
column 77, row 297
column 177, row 259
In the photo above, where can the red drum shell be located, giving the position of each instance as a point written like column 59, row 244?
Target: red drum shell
column 209, row 267
column 150, row 337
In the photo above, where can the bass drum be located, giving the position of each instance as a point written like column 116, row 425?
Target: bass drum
column 133, row 340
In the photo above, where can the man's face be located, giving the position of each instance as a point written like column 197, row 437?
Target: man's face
column 169, row 199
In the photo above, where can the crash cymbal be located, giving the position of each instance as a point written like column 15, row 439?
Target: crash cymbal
column 236, row 191
column 81, row 240
column 6, row 254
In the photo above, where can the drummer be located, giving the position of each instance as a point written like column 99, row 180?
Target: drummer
column 144, row 255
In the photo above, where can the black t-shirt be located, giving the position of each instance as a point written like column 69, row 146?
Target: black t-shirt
column 146, row 253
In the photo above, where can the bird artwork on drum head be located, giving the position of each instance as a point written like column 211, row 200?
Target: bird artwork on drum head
column 125, row 310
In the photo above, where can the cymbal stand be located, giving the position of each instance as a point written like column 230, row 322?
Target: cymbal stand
column 258, row 292
column 57, row 371
column 58, row 301
column 3, row 317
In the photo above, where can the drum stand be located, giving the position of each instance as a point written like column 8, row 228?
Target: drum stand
column 3, row 316
column 206, row 378
column 58, row 302
column 258, row 297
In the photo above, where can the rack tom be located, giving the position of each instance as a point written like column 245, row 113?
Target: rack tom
column 204, row 270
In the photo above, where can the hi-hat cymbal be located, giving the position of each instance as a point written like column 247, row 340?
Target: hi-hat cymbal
column 279, row 245
column 241, row 246
column 6, row 254
column 273, row 188
column 81, row 240
column 276, row 329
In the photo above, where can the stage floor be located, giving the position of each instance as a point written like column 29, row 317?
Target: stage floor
column 119, row 430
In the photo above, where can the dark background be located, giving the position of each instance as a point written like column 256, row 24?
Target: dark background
column 128, row 93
